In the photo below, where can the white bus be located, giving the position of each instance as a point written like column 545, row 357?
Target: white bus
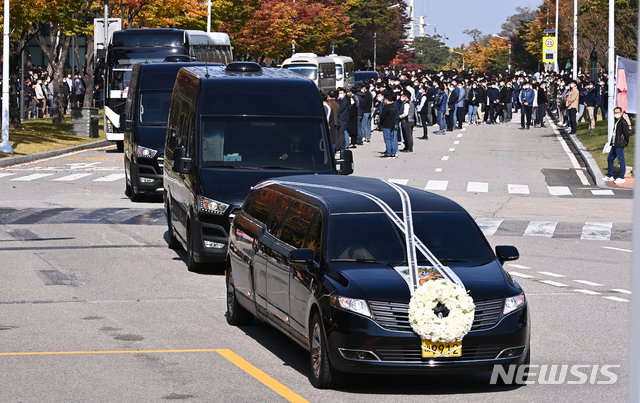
column 322, row 70
column 345, row 71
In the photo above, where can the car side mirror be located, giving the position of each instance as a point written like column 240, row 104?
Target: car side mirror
column 302, row 255
column 126, row 123
column 181, row 164
column 507, row 253
column 344, row 164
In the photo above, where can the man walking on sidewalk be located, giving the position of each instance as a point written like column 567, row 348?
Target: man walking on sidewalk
column 619, row 141
column 526, row 99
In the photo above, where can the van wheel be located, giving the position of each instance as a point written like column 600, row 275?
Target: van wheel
column 137, row 197
column 120, row 145
column 192, row 265
column 323, row 375
column 127, row 188
column 236, row 314
column 172, row 241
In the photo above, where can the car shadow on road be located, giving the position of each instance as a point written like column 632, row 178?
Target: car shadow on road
column 293, row 355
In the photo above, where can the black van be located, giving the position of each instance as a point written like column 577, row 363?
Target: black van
column 229, row 128
column 145, row 125
column 325, row 260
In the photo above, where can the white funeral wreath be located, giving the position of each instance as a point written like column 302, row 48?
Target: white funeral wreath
column 431, row 326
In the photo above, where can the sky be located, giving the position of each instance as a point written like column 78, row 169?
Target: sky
column 451, row 17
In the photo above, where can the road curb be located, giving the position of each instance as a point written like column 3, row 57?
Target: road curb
column 8, row 161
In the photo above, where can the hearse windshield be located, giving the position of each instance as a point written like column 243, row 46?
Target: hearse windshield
column 154, row 107
column 265, row 143
column 307, row 70
column 451, row 237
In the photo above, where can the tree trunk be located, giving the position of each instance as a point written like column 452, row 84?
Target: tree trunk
column 89, row 62
column 57, row 54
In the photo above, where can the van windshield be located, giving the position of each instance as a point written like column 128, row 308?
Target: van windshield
column 307, row 70
column 265, row 142
column 451, row 237
column 154, row 107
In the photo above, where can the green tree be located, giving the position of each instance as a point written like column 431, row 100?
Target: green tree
column 431, row 52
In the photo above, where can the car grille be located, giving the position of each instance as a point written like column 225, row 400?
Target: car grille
column 414, row 353
column 395, row 315
column 161, row 161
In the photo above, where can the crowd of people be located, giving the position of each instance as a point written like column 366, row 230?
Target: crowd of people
column 38, row 93
column 396, row 103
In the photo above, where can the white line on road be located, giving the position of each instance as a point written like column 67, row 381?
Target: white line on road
column 519, row 189
column 620, row 290
column 553, row 283
column 479, row 187
column 585, row 282
column 621, row 250
column 515, row 273
column 438, row 169
column 543, row 229
column 109, row 178
column 31, row 177
column 597, row 231
column 72, row 177
column 399, row 181
column 6, row 174
column 456, row 142
column 582, row 177
column 602, row 192
column 559, row 191
column 518, row 266
column 452, row 149
column 572, row 157
column 548, row 273
column 437, row 185
column 445, row 158
column 460, row 134
column 488, row 226
column 617, row 299
column 588, row 292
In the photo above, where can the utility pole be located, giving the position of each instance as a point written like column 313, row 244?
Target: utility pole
column 575, row 39
column 5, row 146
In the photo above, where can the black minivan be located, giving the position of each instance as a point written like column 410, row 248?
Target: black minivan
column 324, row 260
column 145, row 124
column 229, row 128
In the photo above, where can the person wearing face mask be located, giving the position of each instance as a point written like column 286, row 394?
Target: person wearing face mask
column 473, row 99
column 493, row 94
column 590, row 103
column 407, row 121
column 451, row 107
column 422, row 111
column 526, row 100
column 619, row 141
column 460, row 112
column 344, row 104
column 573, row 101
column 602, row 99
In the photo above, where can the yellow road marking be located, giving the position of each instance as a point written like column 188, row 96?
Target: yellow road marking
column 568, row 208
column 463, row 198
column 527, row 204
column 605, row 211
column 234, row 358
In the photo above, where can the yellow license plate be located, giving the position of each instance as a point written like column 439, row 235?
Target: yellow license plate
column 433, row 349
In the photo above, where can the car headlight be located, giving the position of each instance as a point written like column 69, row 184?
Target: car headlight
column 513, row 303
column 358, row 306
column 144, row 152
column 211, row 206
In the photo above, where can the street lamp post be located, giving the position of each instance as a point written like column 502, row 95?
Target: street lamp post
column 508, row 40
column 5, row 146
column 461, row 54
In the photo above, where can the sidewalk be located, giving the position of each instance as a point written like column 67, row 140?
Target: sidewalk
column 21, row 159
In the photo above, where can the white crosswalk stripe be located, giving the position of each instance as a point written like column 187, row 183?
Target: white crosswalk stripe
column 591, row 283
column 72, row 177
column 110, row 178
column 31, row 177
column 602, row 192
column 2, row 175
column 588, row 292
column 617, row 299
column 489, row 226
column 478, row 187
column 597, row 231
column 553, row 283
column 518, row 189
column 445, row 158
column 436, row 185
column 515, row 273
column 620, row 290
column 548, row 273
column 559, row 191
column 543, row 229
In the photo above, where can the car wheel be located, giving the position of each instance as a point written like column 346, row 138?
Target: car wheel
column 172, row 241
column 127, row 186
column 323, row 375
column 120, row 146
column 192, row 265
column 236, row 314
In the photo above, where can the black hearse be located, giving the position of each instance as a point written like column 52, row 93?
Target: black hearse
column 145, row 124
column 229, row 128
column 321, row 259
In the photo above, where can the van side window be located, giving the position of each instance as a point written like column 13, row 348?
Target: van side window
column 265, row 202
column 314, row 240
column 297, row 224
column 281, row 211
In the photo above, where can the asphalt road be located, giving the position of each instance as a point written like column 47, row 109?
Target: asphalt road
column 95, row 308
